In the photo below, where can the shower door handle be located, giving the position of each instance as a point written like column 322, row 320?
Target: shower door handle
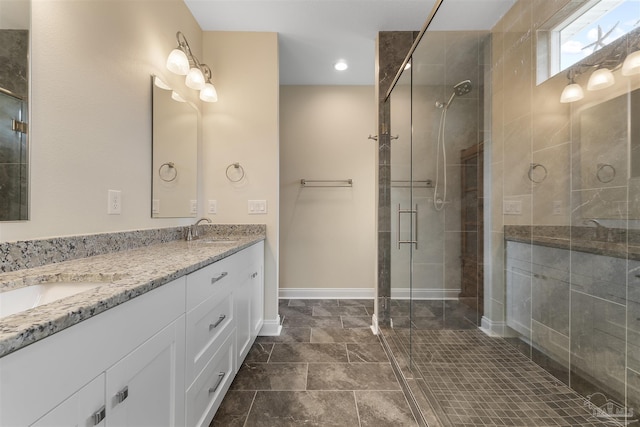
column 411, row 212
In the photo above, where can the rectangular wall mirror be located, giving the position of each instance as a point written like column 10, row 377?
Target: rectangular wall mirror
column 175, row 155
column 14, row 95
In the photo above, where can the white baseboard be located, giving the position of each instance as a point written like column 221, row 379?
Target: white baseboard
column 374, row 325
column 425, row 294
column 326, row 293
column 271, row 328
column 496, row 329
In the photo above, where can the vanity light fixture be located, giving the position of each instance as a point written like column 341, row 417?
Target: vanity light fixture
column 160, row 83
column 183, row 62
column 176, row 97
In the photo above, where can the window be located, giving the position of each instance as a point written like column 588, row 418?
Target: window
column 584, row 31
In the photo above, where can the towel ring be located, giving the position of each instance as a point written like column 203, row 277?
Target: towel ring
column 170, row 166
column 235, row 166
column 532, row 168
column 602, row 169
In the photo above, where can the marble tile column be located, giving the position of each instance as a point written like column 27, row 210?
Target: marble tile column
column 393, row 47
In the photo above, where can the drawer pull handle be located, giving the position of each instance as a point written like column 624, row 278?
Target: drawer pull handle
column 99, row 415
column 254, row 275
column 220, row 320
column 220, row 378
column 220, row 277
column 122, row 395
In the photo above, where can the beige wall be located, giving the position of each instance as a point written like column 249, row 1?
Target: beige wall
column 91, row 119
column 243, row 127
column 327, row 234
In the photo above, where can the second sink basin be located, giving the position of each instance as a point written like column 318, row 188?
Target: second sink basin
column 21, row 299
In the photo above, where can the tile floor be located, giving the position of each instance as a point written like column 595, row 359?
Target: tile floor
column 325, row 369
column 467, row 378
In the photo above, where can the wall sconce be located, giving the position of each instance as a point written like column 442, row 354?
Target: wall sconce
column 601, row 78
column 183, row 62
column 571, row 92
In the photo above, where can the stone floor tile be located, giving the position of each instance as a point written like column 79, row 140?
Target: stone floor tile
column 305, row 408
column 384, row 409
column 351, row 376
column 366, row 353
column 309, row 352
column 271, row 376
column 234, row 409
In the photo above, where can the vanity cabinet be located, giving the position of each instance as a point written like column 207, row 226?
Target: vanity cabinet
column 70, row 377
column 166, row 358
column 224, row 308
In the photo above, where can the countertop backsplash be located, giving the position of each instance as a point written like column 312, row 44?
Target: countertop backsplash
column 35, row 253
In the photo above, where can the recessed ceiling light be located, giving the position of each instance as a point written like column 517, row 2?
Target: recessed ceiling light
column 340, row 66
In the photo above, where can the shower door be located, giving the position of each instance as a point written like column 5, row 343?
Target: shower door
column 13, row 158
column 436, row 123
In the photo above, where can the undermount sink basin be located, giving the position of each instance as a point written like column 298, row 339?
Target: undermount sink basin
column 21, row 299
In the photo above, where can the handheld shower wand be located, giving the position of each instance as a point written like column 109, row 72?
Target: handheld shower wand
column 460, row 89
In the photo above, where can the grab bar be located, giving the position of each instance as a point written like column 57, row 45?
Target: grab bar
column 326, row 183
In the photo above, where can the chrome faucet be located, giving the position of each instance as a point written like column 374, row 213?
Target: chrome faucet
column 192, row 233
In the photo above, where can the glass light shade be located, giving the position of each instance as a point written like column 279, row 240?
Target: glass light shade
column 176, row 97
column 571, row 93
column 208, row 93
column 177, row 62
column 195, row 79
column 600, row 79
column 631, row 64
column 160, row 83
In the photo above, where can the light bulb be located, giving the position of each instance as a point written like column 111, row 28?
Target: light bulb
column 631, row 64
column 177, row 62
column 195, row 79
column 600, row 79
column 208, row 93
column 571, row 93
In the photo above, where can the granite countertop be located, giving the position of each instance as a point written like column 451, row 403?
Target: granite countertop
column 127, row 274
column 613, row 242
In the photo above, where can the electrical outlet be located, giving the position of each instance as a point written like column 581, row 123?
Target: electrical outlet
column 213, row 207
column 257, row 207
column 193, row 206
column 155, row 206
column 114, row 202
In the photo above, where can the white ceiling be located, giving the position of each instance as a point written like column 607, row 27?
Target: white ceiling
column 314, row 34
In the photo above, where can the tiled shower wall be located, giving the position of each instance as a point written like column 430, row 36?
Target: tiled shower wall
column 393, row 47
column 573, row 308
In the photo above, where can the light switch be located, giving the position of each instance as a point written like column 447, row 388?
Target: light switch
column 512, row 207
column 193, row 206
column 257, row 207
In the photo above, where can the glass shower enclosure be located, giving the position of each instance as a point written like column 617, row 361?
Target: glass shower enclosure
column 436, row 125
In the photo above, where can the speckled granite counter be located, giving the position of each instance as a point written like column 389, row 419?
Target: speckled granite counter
column 127, row 273
column 613, row 242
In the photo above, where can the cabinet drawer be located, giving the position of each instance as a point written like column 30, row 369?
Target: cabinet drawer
column 212, row 279
column 206, row 393
column 207, row 326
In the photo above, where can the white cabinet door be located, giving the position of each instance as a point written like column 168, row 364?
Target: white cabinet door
column 85, row 408
column 143, row 389
column 249, row 300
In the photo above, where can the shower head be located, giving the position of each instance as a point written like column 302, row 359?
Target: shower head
column 460, row 89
